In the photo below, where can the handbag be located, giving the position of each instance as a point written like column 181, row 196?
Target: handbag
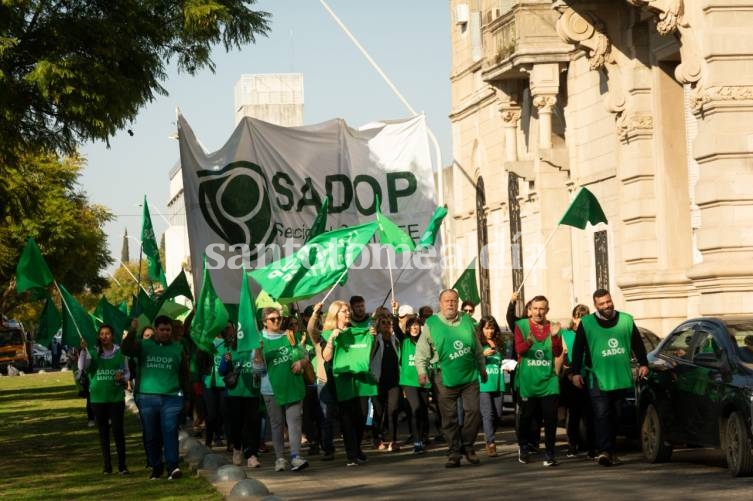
column 231, row 378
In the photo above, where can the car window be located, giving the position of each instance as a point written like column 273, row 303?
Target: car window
column 678, row 345
column 705, row 343
column 742, row 333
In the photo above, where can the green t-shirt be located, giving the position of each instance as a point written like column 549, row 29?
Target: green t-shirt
column 248, row 385
column 353, row 351
column 456, row 349
column 159, row 368
column 494, row 382
column 535, row 375
column 408, row 372
column 349, row 385
column 213, row 379
column 279, row 356
column 568, row 337
column 102, row 385
column 610, row 351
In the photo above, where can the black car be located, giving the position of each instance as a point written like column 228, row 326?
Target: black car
column 699, row 391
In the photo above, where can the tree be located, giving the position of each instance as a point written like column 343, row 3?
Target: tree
column 78, row 70
column 41, row 199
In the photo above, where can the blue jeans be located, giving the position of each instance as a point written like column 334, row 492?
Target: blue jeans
column 606, row 409
column 328, row 404
column 159, row 416
column 491, row 408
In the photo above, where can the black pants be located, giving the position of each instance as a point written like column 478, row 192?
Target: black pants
column 578, row 406
column 214, row 398
column 529, row 408
column 312, row 416
column 606, row 415
column 460, row 439
column 385, row 412
column 353, row 422
column 110, row 416
column 418, row 398
column 245, row 424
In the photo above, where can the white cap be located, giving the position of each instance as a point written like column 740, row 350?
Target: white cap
column 404, row 310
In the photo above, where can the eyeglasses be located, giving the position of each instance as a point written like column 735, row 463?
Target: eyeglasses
column 274, row 319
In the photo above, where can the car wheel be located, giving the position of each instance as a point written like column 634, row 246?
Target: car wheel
column 737, row 447
column 655, row 447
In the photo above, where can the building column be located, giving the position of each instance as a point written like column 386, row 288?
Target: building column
column 545, row 84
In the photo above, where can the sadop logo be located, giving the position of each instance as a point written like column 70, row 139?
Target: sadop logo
column 235, row 204
column 539, row 355
column 458, row 344
column 613, row 343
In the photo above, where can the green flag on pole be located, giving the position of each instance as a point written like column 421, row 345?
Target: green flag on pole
column 319, row 225
column 467, row 286
column 150, row 248
column 391, row 234
column 432, row 229
column 49, row 323
column 210, row 316
column 317, row 266
column 178, row 287
column 583, row 209
column 111, row 315
column 76, row 321
column 248, row 333
column 32, row 271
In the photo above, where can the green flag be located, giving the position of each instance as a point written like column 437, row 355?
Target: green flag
column 178, row 287
column 150, row 248
column 391, row 234
column 173, row 310
column 32, row 271
column 432, row 229
column 583, row 209
column 467, row 286
column 144, row 305
column 76, row 322
column 248, row 333
column 211, row 315
column 317, row 266
column 320, row 223
column 49, row 323
column 112, row 316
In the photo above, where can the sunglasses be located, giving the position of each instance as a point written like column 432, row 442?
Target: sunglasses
column 274, row 319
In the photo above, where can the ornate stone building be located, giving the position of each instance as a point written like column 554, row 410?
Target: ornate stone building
column 648, row 104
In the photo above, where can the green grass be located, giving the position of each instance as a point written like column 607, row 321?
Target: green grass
column 48, row 452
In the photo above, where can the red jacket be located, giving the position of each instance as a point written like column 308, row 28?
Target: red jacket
column 540, row 333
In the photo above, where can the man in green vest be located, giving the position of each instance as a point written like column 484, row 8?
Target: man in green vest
column 601, row 353
column 538, row 346
column 450, row 344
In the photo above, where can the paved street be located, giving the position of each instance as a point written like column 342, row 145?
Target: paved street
column 693, row 474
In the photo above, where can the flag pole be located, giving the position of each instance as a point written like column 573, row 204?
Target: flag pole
column 70, row 313
column 333, row 287
column 392, row 280
column 536, row 260
column 133, row 277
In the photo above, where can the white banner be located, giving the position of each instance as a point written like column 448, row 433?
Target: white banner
column 255, row 199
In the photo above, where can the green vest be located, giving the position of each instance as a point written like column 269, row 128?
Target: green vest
column 408, row 372
column 279, row 356
column 353, row 351
column 159, row 368
column 494, row 382
column 248, row 386
column 102, row 386
column 568, row 337
column 610, row 351
column 349, row 385
column 456, row 349
column 535, row 375
column 213, row 379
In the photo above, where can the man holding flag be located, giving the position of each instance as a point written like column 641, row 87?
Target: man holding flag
column 449, row 340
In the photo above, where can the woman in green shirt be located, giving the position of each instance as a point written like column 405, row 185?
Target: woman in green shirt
column 490, row 392
column 417, row 395
column 108, row 375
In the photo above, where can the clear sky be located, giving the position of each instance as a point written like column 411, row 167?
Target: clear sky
column 410, row 40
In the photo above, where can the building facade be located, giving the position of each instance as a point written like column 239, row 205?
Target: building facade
column 648, row 104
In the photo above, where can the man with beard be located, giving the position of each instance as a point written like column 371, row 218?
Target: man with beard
column 601, row 351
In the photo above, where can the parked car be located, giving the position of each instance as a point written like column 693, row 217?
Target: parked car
column 14, row 345
column 699, row 391
column 41, row 355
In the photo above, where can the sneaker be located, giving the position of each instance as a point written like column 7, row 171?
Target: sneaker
column 156, row 473
column 124, row 471
column 352, row 462
column 572, row 452
column 472, row 458
column 523, row 456
column 281, row 464
column 298, row 464
column 604, row 459
column 175, row 474
column 91, row 423
column 419, row 449
column 328, row 456
column 615, row 460
column 253, row 462
column 550, row 461
column 393, row 447
column 452, row 462
column 491, row 450
column 237, row 457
